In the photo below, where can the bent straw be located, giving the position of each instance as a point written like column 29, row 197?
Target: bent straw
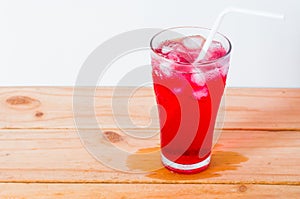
column 219, row 19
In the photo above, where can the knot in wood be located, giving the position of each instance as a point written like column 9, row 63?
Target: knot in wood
column 22, row 102
column 242, row 188
column 113, row 137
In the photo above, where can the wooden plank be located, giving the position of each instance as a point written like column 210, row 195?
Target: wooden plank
column 33, row 190
column 261, row 157
column 263, row 108
column 51, row 108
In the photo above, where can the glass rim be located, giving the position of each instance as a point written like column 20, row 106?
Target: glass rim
column 198, row 63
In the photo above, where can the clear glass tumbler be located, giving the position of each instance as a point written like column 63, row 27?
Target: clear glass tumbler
column 188, row 94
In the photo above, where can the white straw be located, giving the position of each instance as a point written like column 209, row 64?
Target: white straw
column 220, row 18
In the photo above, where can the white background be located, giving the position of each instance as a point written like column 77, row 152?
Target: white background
column 46, row 42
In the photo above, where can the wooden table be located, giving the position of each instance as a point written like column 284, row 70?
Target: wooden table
column 42, row 156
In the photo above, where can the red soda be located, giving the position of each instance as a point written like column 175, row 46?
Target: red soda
column 188, row 95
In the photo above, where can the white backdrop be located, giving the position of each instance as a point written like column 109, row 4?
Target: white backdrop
column 46, row 42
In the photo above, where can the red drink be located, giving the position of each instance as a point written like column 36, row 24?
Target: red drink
column 189, row 95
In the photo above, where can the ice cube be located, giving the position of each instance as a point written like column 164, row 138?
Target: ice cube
column 175, row 50
column 169, row 46
column 215, row 44
column 166, row 49
column 193, row 42
column 165, row 68
column 203, row 92
column 224, row 69
column 198, row 78
column 215, row 51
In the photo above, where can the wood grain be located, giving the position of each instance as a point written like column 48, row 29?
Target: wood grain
column 51, row 108
column 102, row 191
column 258, row 157
column 56, row 144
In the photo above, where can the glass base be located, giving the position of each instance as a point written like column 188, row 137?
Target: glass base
column 185, row 168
